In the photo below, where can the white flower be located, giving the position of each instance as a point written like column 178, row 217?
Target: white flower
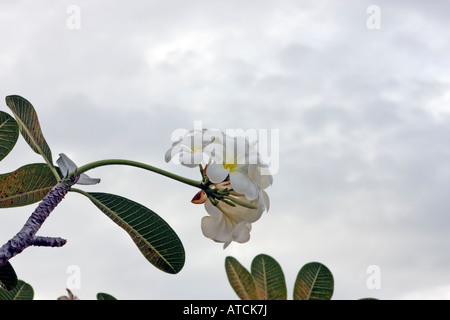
column 67, row 166
column 233, row 189
column 189, row 149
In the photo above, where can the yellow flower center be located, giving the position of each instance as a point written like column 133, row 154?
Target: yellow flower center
column 230, row 166
column 195, row 148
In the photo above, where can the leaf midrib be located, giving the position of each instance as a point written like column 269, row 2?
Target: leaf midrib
column 24, row 193
column 4, row 123
column 313, row 282
column 30, row 136
column 22, row 126
column 247, row 294
column 266, row 289
column 18, row 292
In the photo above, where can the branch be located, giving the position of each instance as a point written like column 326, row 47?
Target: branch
column 27, row 235
column 48, row 242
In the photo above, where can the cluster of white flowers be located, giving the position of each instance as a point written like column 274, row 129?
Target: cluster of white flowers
column 234, row 183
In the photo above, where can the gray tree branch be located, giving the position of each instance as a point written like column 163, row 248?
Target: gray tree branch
column 27, row 235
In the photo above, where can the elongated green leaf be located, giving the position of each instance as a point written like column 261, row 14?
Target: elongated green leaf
column 22, row 291
column 153, row 236
column 240, row 279
column 8, row 277
column 105, row 296
column 314, row 282
column 26, row 185
column 29, row 126
column 269, row 278
column 9, row 132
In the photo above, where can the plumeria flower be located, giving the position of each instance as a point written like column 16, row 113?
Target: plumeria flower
column 66, row 166
column 233, row 190
column 189, row 149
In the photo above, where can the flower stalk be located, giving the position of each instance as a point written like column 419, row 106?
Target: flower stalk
column 108, row 162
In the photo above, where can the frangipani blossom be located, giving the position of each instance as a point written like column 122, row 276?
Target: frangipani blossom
column 189, row 149
column 233, row 186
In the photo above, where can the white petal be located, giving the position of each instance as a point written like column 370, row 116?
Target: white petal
column 214, row 135
column 240, row 182
column 266, row 200
column 241, row 233
column 226, row 244
column 189, row 142
column 216, row 227
column 261, row 180
column 65, row 164
column 190, row 159
column 169, row 155
column 86, row 180
column 265, row 181
column 252, row 192
column 212, row 209
column 215, row 151
column 172, row 152
column 217, row 173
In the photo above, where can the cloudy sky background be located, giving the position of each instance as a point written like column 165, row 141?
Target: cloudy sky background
column 363, row 117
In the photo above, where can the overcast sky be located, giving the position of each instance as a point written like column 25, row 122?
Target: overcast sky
column 363, row 116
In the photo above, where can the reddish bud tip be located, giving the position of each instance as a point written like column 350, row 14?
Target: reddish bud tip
column 200, row 197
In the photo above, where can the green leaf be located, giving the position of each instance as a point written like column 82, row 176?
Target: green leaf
column 8, row 277
column 29, row 126
column 153, row 236
column 105, row 296
column 22, row 291
column 314, row 282
column 26, row 185
column 240, row 279
column 269, row 278
column 9, row 132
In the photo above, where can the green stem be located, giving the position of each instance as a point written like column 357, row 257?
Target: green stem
column 81, row 192
column 108, row 162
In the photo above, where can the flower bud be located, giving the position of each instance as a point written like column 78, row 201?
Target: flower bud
column 200, row 197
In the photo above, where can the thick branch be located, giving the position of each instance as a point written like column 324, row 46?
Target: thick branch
column 27, row 235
